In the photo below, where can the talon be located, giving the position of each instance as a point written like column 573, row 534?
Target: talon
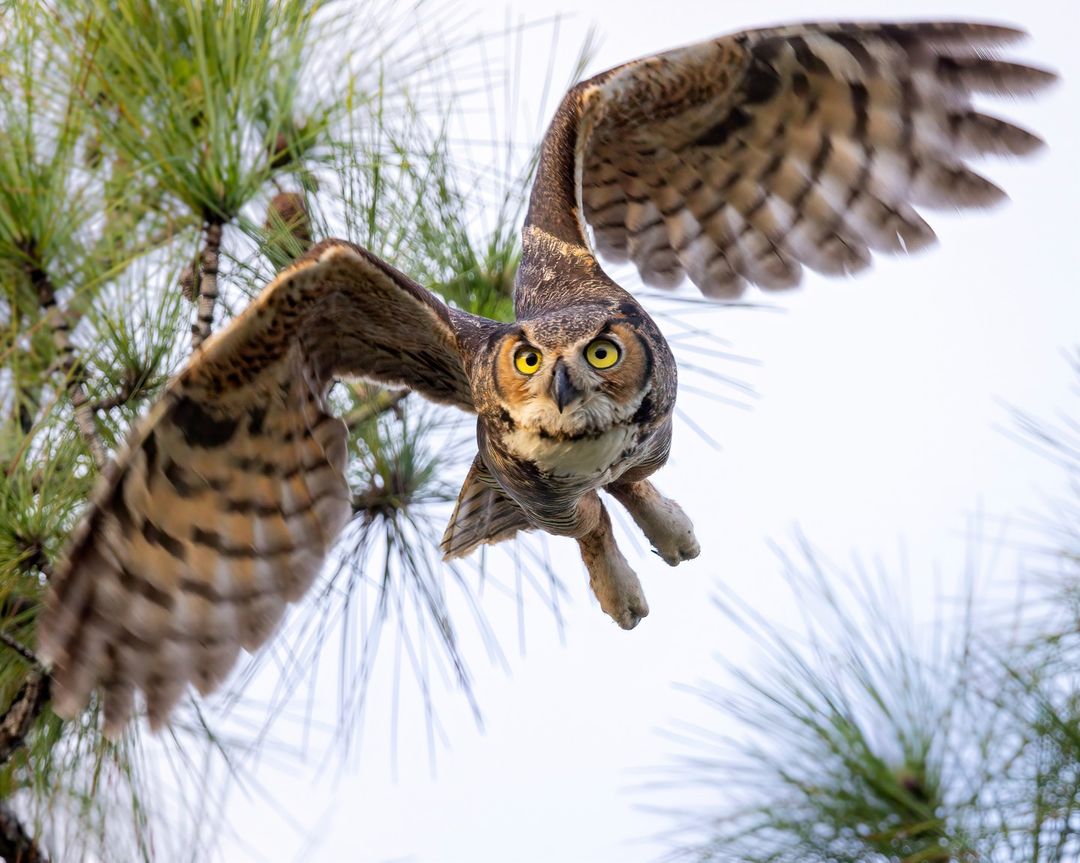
column 691, row 549
column 687, row 549
column 662, row 521
column 632, row 615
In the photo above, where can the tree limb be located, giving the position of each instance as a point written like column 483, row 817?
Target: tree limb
column 16, row 845
column 60, row 326
column 122, row 396
column 27, row 705
column 208, row 287
column 28, row 702
column 13, row 643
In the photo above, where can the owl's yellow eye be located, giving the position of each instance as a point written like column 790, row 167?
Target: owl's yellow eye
column 602, row 354
column 527, row 360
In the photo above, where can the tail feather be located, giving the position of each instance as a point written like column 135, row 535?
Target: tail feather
column 484, row 514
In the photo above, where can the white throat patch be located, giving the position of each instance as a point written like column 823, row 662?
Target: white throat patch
column 602, row 431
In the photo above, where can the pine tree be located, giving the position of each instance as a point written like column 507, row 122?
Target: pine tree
column 158, row 163
column 867, row 738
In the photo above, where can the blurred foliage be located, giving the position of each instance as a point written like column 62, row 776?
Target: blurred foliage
column 868, row 737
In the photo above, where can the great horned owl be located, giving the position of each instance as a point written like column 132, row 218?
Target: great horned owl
column 735, row 161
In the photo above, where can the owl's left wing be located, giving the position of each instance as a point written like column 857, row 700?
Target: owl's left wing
column 744, row 158
column 228, row 495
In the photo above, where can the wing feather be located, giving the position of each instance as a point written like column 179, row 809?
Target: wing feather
column 228, row 495
column 484, row 514
column 743, row 159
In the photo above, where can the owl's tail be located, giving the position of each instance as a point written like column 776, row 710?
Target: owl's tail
column 484, row 514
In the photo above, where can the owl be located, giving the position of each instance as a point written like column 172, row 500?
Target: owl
column 734, row 162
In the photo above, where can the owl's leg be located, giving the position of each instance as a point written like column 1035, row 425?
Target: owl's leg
column 662, row 520
column 615, row 584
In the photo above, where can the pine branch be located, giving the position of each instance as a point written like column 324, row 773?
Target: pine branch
column 16, row 845
column 25, row 708
column 28, row 406
column 28, row 702
column 122, row 396
column 383, row 402
column 13, row 643
column 13, row 606
column 156, row 240
column 69, row 365
column 208, row 287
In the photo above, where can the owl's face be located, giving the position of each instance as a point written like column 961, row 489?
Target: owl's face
column 574, row 372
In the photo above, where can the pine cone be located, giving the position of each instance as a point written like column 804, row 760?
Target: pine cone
column 279, row 152
column 288, row 211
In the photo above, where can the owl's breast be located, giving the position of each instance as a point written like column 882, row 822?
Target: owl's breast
column 597, row 456
column 547, row 473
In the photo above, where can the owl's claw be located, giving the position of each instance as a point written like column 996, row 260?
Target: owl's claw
column 662, row 521
column 617, row 588
column 634, row 608
column 615, row 584
column 683, row 546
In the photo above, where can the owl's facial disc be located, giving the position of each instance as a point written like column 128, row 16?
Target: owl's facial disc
column 564, row 377
column 581, row 371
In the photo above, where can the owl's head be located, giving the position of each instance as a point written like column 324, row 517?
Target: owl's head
column 580, row 370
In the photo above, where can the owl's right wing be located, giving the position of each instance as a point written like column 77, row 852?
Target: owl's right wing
column 742, row 159
column 228, row 495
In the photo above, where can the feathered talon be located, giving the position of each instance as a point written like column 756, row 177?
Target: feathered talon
column 615, row 584
column 662, row 521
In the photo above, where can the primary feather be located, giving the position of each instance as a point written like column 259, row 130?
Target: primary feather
column 742, row 159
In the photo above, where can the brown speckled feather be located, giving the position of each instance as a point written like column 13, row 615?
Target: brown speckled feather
column 228, row 495
column 484, row 515
column 742, row 159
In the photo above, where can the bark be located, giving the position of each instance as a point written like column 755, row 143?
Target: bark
column 208, row 283
column 69, row 365
column 16, row 845
column 25, row 708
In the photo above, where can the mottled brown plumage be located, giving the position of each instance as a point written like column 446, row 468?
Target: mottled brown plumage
column 736, row 161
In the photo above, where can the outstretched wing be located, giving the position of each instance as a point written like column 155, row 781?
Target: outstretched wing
column 227, row 496
column 742, row 159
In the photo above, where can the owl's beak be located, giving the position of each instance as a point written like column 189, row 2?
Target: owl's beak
column 563, row 388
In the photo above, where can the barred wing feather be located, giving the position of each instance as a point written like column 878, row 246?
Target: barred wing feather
column 227, row 497
column 742, row 159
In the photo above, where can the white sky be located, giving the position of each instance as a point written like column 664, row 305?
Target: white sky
column 879, row 428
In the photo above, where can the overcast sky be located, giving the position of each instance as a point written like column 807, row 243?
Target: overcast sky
column 878, row 428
